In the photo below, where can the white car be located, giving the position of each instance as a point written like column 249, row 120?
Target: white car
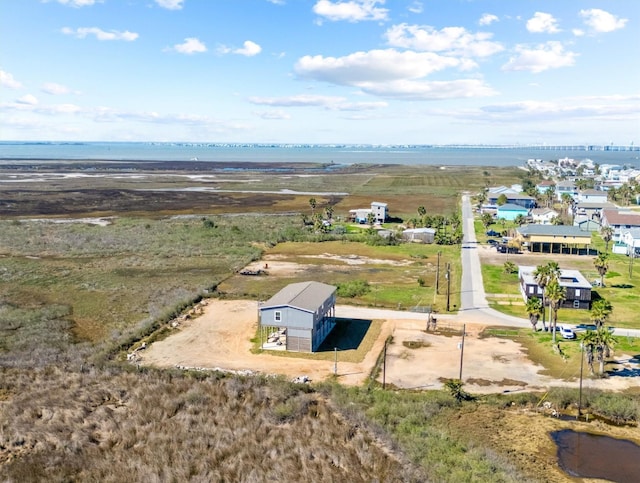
column 567, row 333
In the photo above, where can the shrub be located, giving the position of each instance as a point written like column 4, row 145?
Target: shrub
column 352, row 289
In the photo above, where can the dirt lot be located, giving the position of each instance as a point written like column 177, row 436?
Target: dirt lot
column 220, row 338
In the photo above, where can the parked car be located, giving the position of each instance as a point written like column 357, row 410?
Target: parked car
column 583, row 327
column 567, row 333
column 493, row 233
column 491, row 241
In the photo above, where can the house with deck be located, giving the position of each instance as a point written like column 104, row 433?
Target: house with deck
column 299, row 317
column 577, row 287
column 564, row 239
column 620, row 220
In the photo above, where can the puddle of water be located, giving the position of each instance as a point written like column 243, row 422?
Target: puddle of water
column 589, row 455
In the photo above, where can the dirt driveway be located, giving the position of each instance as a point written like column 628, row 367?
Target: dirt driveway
column 220, row 339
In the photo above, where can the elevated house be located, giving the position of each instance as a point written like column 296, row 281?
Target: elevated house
column 592, row 196
column 577, row 287
column 519, row 199
column 554, row 239
column 630, row 238
column 620, row 220
column 591, row 210
column 299, row 317
column 543, row 186
column 510, row 212
column 378, row 209
column 568, row 187
column 543, row 216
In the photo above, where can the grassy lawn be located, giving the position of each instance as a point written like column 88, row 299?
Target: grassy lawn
column 622, row 285
column 392, row 272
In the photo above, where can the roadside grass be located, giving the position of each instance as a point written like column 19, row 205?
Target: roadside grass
column 622, row 286
column 392, row 273
column 564, row 362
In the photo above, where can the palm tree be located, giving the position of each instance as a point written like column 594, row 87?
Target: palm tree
column 520, row 220
column 555, row 294
column 541, row 275
column 312, row 204
column 601, row 262
column 534, row 309
column 422, row 211
column 567, row 201
column 607, row 234
column 598, row 345
column 329, row 212
column 600, row 311
column 487, row 220
column 589, row 342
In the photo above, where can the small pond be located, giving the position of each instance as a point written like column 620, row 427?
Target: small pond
column 589, row 455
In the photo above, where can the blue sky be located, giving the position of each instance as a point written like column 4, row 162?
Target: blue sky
column 321, row 71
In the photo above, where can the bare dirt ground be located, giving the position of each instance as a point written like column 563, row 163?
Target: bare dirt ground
column 220, row 339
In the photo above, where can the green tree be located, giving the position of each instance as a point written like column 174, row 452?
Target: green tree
column 601, row 262
column 371, row 219
column 555, row 294
column 510, row 267
column 455, row 388
column 598, row 345
column 600, row 311
column 502, row 200
column 422, row 211
column 328, row 210
column 312, row 203
column 487, row 220
column 543, row 275
column 520, row 220
column 534, row 310
column 606, row 232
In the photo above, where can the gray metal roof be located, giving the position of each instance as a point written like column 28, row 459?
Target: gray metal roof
column 568, row 278
column 552, row 230
column 307, row 296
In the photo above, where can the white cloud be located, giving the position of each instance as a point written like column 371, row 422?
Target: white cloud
column 277, row 2
column 191, row 45
column 28, row 99
column 488, row 19
column 373, row 66
column 429, row 90
column 416, row 7
column 248, row 49
column 600, row 21
column 100, row 34
column 170, row 4
column 550, row 55
column 452, row 40
column 78, row 3
column 332, row 103
column 54, row 89
column 542, row 23
column 351, row 11
column 273, row 115
column 7, row 80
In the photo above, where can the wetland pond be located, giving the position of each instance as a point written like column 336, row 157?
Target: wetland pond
column 590, row 455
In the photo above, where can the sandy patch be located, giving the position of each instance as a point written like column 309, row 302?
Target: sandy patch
column 220, row 338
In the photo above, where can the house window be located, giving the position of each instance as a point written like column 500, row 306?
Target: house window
column 277, row 316
column 576, row 304
column 532, row 289
column 577, row 292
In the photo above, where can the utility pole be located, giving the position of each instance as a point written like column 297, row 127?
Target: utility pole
column 384, row 366
column 581, row 365
column 462, row 350
column 438, row 274
column 448, row 275
column 335, row 364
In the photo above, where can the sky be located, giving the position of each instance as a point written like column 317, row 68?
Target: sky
column 321, row 71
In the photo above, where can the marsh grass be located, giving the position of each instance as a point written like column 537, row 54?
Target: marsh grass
column 135, row 426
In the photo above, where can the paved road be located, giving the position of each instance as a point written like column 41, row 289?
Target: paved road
column 473, row 301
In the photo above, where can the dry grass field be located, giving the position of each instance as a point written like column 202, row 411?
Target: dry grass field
column 75, row 297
